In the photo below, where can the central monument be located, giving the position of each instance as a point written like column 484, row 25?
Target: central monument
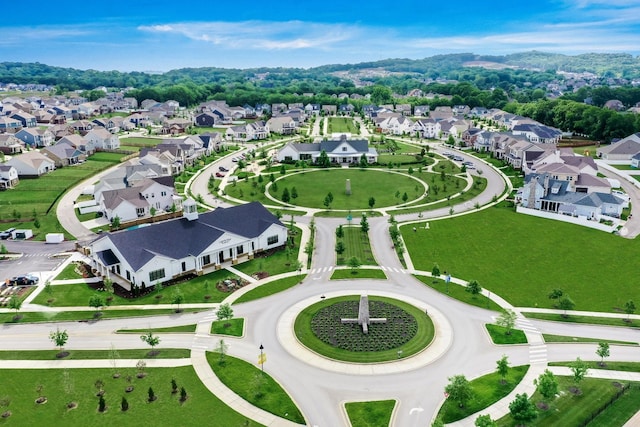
column 348, row 187
column 363, row 315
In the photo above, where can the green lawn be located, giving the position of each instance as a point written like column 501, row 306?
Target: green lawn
column 63, row 386
column 370, row 414
column 271, row 288
column 140, row 141
column 591, row 320
column 356, row 245
column 69, row 272
column 232, row 327
column 306, row 336
column 282, row 261
column 342, row 125
column 499, row 335
column 571, row 410
column 172, row 330
column 569, row 339
column 536, row 251
column 487, row 390
column 254, row 386
column 459, row 292
column 360, row 273
column 365, row 183
column 86, row 316
column 160, row 353
column 194, row 291
column 611, row 366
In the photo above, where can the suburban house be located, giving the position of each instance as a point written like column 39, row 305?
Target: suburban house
column 543, row 192
column 129, row 176
column 538, row 133
column 9, row 144
column 35, row 137
column 130, row 203
column 80, row 143
column 7, row 124
column 32, row 164
column 396, row 125
column 175, row 126
column 426, row 128
column 339, row 151
column 8, row 177
column 27, row 120
column 248, row 132
column 283, row 125
column 64, row 154
column 102, row 139
column 421, row 110
column 191, row 245
column 624, row 149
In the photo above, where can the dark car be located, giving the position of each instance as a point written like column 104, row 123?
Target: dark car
column 219, row 174
column 7, row 233
column 223, row 169
column 26, row 280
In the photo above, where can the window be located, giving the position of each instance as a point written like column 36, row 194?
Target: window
column 344, row 148
column 240, row 249
column 140, row 212
column 163, row 193
column 156, row 275
column 206, row 260
column 272, row 240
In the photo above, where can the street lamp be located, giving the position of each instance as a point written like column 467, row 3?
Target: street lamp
column 261, row 357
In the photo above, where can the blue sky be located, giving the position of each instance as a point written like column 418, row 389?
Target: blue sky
column 160, row 35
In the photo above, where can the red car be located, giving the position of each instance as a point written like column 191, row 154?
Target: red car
column 219, row 174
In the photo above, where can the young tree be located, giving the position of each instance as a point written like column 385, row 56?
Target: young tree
column 522, row 409
column 283, row 170
column 59, row 337
column 405, row 197
column 286, row 197
column 629, row 308
column 107, row 284
column 124, row 405
column 556, row 294
column 485, row 421
column 547, row 385
column 435, row 271
column 183, row 394
column 97, row 302
column 178, row 298
column 221, row 348
column 15, row 303
column 354, row 263
column 503, row 368
column 459, row 390
column 363, row 163
column 474, row 288
column 565, row 304
column 372, row 201
column 151, row 340
column 151, row 394
column 294, row 193
column 364, row 224
column 115, row 222
column 339, row 232
column 225, row 312
column 102, row 404
column 507, row 320
column 602, row 351
column 340, row 248
column 326, row 202
column 579, row 370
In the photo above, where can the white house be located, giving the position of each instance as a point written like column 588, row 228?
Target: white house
column 101, row 138
column 186, row 246
column 138, row 201
column 32, row 163
column 339, row 151
column 8, row 177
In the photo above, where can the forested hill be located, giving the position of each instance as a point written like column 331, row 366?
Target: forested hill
column 447, row 66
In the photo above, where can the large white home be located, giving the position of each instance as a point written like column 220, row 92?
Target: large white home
column 186, row 246
column 32, row 163
column 339, row 151
column 138, row 201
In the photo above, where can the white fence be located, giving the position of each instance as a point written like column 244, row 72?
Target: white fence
column 580, row 220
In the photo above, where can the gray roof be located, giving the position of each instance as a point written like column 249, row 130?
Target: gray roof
column 180, row 238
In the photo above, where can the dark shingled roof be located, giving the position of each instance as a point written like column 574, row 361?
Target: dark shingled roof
column 180, row 237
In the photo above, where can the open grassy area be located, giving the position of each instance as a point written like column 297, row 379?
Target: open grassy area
column 69, row 272
column 342, row 125
column 170, row 330
column 87, row 316
column 194, row 291
column 232, row 327
column 282, row 261
column 140, row 141
column 77, row 385
column 423, row 337
column 365, row 183
column 568, row 339
column 254, row 386
column 611, row 366
column 499, row 335
column 591, row 320
column 572, row 410
column 459, row 292
column 360, row 273
column 531, row 249
column 370, row 414
column 357, row 245
column 270, row 288
column 159, row 353
column 487, row 390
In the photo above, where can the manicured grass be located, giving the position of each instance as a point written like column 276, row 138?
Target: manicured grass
column 86, row 316
column 107, row 157
column 591, row 320
column 621, row 410
column 591, row 280
column 625, row 167
column 140, row 141
column 569, row 409
column 360, row 273
column 306, row 336
column 487, row 390
column 69, row 272
column 232, row 327
column 159, row 353
column 459, row 292
column 357, row 245
column 569, row 339
column 370, row 414
column 254, row 386
column 611, row 366
column 77, row 385
column 397, row 159
column 194, row 291
column 173, row 329
column 365, row 183
column 499, row 335
column 282, row 261
column 342, row 125
column 271, row 288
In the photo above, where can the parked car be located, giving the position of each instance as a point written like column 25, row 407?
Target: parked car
column 7, row 233
column 26, row 280
column 219, row 174
column 235, row 160
column 458, row 158
column 223, row 169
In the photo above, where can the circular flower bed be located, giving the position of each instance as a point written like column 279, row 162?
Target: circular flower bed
column 399, row 328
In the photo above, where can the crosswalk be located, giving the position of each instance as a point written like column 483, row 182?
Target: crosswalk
column 329, row 269
column 537, row 347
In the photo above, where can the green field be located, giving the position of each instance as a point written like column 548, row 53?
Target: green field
column 360, row 273
column 270, row 288
column 522, row 258
column 78, row 386
column 140, row 141
column 370, row 414
column 159, row 353
column 365, row 183
column 356, row 245
column 342, row 125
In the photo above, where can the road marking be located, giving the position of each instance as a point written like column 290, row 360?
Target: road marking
column 414, row 410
